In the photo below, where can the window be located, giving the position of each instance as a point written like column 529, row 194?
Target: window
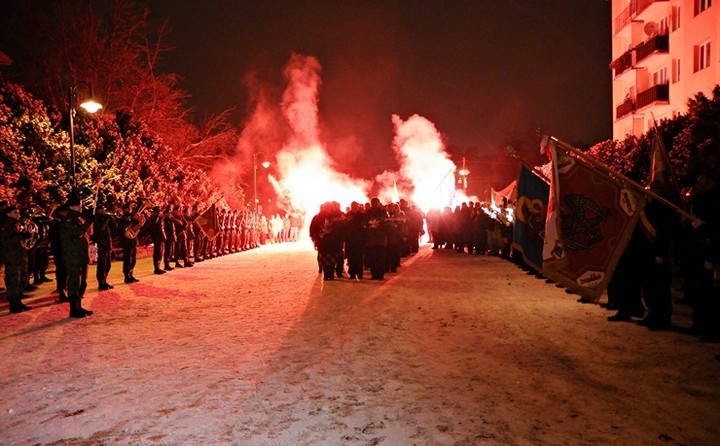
column 702, row 56
column 702, row 5
column 675, row 70
column 662, row 26
column 660, row 77
column 675, row 17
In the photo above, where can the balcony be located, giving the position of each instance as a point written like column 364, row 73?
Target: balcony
column 625, row 108
column 622, row 63
column 658, row 93
column 634, row 9
column 657, row 44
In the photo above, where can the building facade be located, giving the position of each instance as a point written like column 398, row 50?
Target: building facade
column 664, row 52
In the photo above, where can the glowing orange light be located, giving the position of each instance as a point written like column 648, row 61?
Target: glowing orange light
column 306, row 174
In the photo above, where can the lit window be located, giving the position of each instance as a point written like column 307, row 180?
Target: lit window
column 676, row 70
column 660, row 77
column 702, row 56
column 702, row 5
column 675, row 17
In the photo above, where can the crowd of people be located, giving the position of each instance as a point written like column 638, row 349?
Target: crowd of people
column 476, row 228
column 375, row 236
column 74, row 239
column 370, row 237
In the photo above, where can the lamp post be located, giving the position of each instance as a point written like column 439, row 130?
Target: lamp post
column 463, row 173
column 265, row 165
column 89, row 105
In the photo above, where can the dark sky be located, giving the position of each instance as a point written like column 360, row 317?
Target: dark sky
column 482, row 70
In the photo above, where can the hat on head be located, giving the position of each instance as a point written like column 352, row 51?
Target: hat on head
column 10, row 209
column 73, row 199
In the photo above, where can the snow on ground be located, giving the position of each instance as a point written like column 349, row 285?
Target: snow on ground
column 255, row 349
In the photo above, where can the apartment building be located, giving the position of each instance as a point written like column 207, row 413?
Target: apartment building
column 664, row 52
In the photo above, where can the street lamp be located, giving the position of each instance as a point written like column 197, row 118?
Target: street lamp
column 463, row 173
column 265, row 164
column 89, row 105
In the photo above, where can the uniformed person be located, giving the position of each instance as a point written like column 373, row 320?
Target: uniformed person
column 75, row 240
column 157, row 235
column 169, row 248
column 56, row 248
column 128, row 243
column 103, row 226
column 200, row 237
column 15, row 258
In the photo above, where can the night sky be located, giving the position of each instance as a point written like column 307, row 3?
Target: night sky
column 482, row 71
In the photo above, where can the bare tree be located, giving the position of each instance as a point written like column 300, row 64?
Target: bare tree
column 110, row 44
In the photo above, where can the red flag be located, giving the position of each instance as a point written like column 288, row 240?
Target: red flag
column 590, row 220
column 509, row 193
column 208, row 222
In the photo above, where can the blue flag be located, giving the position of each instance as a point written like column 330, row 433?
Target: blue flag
column 530, row 212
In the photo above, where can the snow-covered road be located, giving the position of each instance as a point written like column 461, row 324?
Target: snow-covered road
column 255, row 349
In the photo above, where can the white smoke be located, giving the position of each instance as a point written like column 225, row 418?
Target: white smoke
column 307, row 175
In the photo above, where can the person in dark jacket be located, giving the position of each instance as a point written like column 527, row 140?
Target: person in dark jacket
column 326, row 231
column 396, row 229
column 702, row 282
column 182, row 228
column 128, row 242
column 355, row 240
column 200, row 237
column 169, row 248
column 103, row 226
column 75, row 239
column 56, row 248
column 15, row 258
column 660, row 225
column 376, row 240
column 157, row 235
column 415, row 222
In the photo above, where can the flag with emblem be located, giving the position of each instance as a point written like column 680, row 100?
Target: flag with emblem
column 590, row 220
column 208, row 222
column 530, row 215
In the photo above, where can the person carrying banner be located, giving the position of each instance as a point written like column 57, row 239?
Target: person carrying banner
column 702, row 281
column 625, row 287
column 658, row 224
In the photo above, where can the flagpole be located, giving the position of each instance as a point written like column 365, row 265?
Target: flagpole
column 626, row 181
column 510, row 150
column 213, row 204
column 666, row 159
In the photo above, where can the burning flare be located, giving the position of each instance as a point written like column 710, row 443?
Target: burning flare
column 306, row 174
